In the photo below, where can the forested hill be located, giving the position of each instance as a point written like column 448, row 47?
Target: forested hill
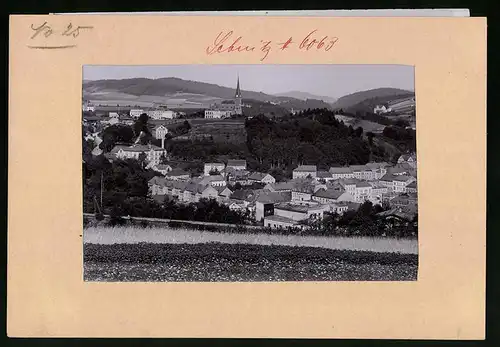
column 349, row 101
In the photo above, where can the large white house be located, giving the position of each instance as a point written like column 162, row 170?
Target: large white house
column 136, row 113
column 304, row 171
column 161, row 114
column 217, row 114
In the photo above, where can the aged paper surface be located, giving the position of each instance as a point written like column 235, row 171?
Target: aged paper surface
column 46, row 293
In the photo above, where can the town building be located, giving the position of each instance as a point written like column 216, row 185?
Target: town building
column 304, row 171
column 341, row 172
column 153, row 153
column 161, row 114
column 214, row 180
column 210, row 167
column 412, row 187
column 379, row 109
column 260, row 177
column 162, row 168
column 279, row 187
column 236, row 164
column 227, row 108
column 136, row 113
column 88, row 107
column 300, row 212
column 410, row 159
column 328, row 196
column 279, row 222
column 217, row 114
column 114, row 115
column 178, row 175
column 324, row 176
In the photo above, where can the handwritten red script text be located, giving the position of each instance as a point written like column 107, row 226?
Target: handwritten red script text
column 228, row 42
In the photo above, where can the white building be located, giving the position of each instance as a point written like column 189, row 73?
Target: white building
column 114, row 115
column 160, row 132
column 136, row 113
column 208, row 167
column 299, row 212
column 381, row 109
column 217, row 114
column 260, row 177
column 341, row 172
column 153, row 153
column 277, row 222
column 236, row 164
column 304, row 171
column 161, row 114
column 87, row 107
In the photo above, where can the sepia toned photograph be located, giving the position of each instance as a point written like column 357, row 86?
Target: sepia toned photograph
column 249, row 173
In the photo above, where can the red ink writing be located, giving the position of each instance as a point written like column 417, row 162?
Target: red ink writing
column 266, row 48
column 309, row 42
column 284, row 45
column 225, row 42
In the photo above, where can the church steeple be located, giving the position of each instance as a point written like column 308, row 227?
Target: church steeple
column 238, row 91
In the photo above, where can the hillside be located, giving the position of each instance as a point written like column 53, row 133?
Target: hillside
column 304, row 96
column 349, row 101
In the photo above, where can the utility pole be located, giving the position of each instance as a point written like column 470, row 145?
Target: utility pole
column 101, row 186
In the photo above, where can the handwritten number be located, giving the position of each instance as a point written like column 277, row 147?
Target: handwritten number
column 47, row 31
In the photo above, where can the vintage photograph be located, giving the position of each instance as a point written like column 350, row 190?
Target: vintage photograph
column 228, row 173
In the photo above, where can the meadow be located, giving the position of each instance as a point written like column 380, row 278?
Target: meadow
column 217, row 262
column 168, row 235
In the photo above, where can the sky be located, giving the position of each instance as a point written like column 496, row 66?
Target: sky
column 322, row 80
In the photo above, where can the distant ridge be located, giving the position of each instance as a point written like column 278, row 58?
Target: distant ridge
column 304, row 96
column 173, row 86
column 351, row 100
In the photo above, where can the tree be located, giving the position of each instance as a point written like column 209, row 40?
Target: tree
column 370, row 137
column 142, row 159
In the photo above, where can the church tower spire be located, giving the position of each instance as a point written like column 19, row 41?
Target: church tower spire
column 238, row 91
column 237, row 98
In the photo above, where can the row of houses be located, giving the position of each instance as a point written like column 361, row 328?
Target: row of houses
column 371, row 171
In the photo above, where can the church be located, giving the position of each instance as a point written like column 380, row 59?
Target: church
column 226, row 108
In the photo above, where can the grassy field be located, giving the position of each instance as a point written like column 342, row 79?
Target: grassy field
column 166, row 235
column 209, row 262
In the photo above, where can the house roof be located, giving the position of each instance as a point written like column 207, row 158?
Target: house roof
column 139, row 148
column 236, row 162
column 388, row 177
column 328, row 193
column 177, row 172
column 220, row 189
column 214, row 164
column 306, row 168
column 281, row 219
column 297, row 208
column 362, row 184
column 357, row 168
column 402, row 178
column 281, row 186
column 340, row 170
column 273, row 197
column 162, row 166
column 257, row 176
column 244, row 194
column 412, row 185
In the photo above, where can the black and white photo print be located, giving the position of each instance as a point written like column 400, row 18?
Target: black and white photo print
column 228, row 173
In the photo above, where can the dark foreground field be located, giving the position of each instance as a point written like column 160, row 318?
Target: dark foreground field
column 211, row 262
